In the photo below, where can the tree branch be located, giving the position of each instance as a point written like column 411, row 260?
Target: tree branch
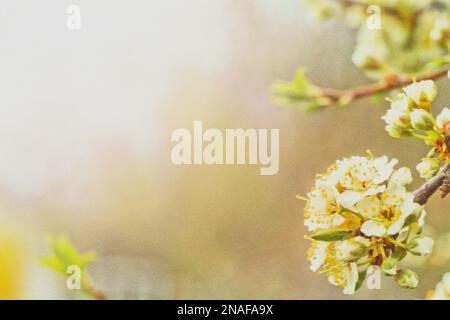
column 389, row 83
column 89, row 289
column 97, row 294
column 440, row 180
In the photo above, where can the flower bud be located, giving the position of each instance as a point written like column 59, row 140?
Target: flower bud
column 421, row 246
column 442, row 290
column 399, row 253
column 422, row 93
column 364, row 58
column 353, row 249
column 327, row 10
column 397, row 118
column 389, row 266
column 398, row 132
column 422, row 120
column 407, row 278
column 443, row 118
column 402, row 103
column 402, row 176
column 428, row 167
column 440, row 29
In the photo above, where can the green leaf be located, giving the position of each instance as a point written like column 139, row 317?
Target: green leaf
column 407, row 278
column 333, row 235
column 439, row 62
column 399, row 253
column 65, row 254
column 361, row 278
column 359, row 253
column 53, row 264
column 410, row 220
column 299, row 92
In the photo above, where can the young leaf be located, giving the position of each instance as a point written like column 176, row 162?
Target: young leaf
column 300, row 91
column 64, row 254
column 361, row 278
column 332, row 235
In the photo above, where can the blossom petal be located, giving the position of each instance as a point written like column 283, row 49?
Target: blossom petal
column 396, row 226
column 401, row 176
column 318, row 255
column 373, row 228
column 349, row 198
column 384, row 171
column 368, row 207
column 375, row 190
column 352, row 279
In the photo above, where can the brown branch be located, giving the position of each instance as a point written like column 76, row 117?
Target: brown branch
column 97, row 294
column 89, row 289
column 389, row 83
column 440, row 180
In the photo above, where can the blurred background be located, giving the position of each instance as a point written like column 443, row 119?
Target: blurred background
column 85, row 125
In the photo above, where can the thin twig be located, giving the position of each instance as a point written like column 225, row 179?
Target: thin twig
column 93, row 291
column 440, row 180
column 387, row 84
column 98, row 295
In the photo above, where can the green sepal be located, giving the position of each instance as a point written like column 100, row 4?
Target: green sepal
column 361, row 278
column 333, row 235
column 399, row 253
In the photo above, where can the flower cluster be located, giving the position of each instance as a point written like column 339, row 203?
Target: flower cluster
column 407, row 48
column 361, row 215
column 394, row 37
column 442, row 290
column 410, row 116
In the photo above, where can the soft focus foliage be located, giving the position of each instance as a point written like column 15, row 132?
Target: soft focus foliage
column 300, row 90
column 12, row 264
column 442, row 290
column 394, row 38
column 411, row 37
column 64, row 254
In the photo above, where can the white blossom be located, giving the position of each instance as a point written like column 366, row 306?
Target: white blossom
column 443, row 117
column 421, row 93
column 362, row 213
column 442, row 290
column 323, row 258
column 421, row 120
column 428, row 167
column 421, row 246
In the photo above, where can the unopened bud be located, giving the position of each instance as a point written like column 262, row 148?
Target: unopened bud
column 389, row 266
column 397, row 118
column 421, row 246
column 421, row 120
column 443, row 118
column 428, row 167
column 407, row 278
column 422, row 93
column 398, row 132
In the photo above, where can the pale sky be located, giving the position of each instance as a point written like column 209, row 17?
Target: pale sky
column 65, row 92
